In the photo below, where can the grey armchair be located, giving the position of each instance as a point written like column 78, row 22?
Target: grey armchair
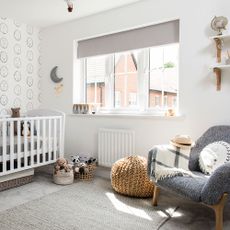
column 209, row 190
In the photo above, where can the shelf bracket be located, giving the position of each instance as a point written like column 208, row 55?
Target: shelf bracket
column 217, row 71
column 218, row 49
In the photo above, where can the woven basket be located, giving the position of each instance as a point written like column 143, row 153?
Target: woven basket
column 15, row 182
column 63, row 178
column 129, row 177
column 89, row 175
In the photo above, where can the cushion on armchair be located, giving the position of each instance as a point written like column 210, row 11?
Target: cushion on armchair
column 215, row 133
column 213, row 156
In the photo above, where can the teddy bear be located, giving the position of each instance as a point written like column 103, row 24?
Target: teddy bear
column 62, row 164
column 15, row 113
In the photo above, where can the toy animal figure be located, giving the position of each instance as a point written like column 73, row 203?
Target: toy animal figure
column 83, row 159
column 81, row 168
column 75, row 159
column 23, row 129
column 88, row 160
column 62, row 165
column 15, row 113
column 81, row 163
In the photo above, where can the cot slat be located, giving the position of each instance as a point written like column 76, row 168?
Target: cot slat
column 38, row 142
column 49, row 139
column 4, row 130
column 55, row 139
column 32, row 142
column 60, row 138
column 43, row 140
column 25, row 132
column 19, row 144
column 11, row 145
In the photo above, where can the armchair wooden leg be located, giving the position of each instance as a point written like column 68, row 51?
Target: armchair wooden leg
column 218, row 209
column 155, row 195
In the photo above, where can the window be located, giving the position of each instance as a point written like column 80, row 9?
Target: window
column 125, row 79
column 95, row 80
column 164, row 75
column 137, row 80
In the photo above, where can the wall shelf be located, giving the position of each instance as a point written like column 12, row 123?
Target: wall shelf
column 220, row 66
column 217, row 69
column 219, row 39
column 222, row 37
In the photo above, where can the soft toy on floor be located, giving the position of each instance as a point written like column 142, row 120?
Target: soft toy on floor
column 83, row 159
column 87, row 160
column 62, row 165
column 75, row 159
column 81, row 163
column 81, row 168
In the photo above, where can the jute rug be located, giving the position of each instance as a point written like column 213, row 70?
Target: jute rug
column 86, row 205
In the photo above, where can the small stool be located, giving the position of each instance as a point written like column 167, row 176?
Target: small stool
column 129, row 177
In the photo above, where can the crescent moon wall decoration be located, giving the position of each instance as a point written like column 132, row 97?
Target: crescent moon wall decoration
column 53, row 75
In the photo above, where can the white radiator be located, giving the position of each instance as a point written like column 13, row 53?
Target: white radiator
column 114, row 144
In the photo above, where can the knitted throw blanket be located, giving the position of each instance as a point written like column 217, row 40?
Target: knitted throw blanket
column 166, row 161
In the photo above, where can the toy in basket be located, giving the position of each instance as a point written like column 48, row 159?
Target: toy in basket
column 84, row 167
column 63, row 172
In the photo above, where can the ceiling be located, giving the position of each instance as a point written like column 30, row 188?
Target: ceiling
column 45, row 13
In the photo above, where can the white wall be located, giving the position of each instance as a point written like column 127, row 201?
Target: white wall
column 201, row 104
column 19, row 66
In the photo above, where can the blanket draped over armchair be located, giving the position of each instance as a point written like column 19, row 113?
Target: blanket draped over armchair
column 165, row 161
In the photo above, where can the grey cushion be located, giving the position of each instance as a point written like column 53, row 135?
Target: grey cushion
column 190, row 187
column 215, row 133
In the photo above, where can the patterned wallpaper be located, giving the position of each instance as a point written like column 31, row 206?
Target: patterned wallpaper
column 19, row 66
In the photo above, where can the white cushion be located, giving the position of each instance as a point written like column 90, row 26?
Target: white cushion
column 213, row 156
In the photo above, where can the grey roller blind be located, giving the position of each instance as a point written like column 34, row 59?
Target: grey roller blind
column 160, row 34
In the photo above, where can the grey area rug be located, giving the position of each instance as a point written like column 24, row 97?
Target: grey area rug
column 87, row 205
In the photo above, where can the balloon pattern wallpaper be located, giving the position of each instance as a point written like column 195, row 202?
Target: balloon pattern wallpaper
column 20, row 66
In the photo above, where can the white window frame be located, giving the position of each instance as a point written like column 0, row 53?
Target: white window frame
column 143, row 71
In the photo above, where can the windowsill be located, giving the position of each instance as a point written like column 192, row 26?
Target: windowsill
column 126, row 115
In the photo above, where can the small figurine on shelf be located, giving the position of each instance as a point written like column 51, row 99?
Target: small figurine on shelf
column 170, row 113
column 219, row 24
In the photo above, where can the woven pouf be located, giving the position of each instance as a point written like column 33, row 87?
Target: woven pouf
column 129, row 177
